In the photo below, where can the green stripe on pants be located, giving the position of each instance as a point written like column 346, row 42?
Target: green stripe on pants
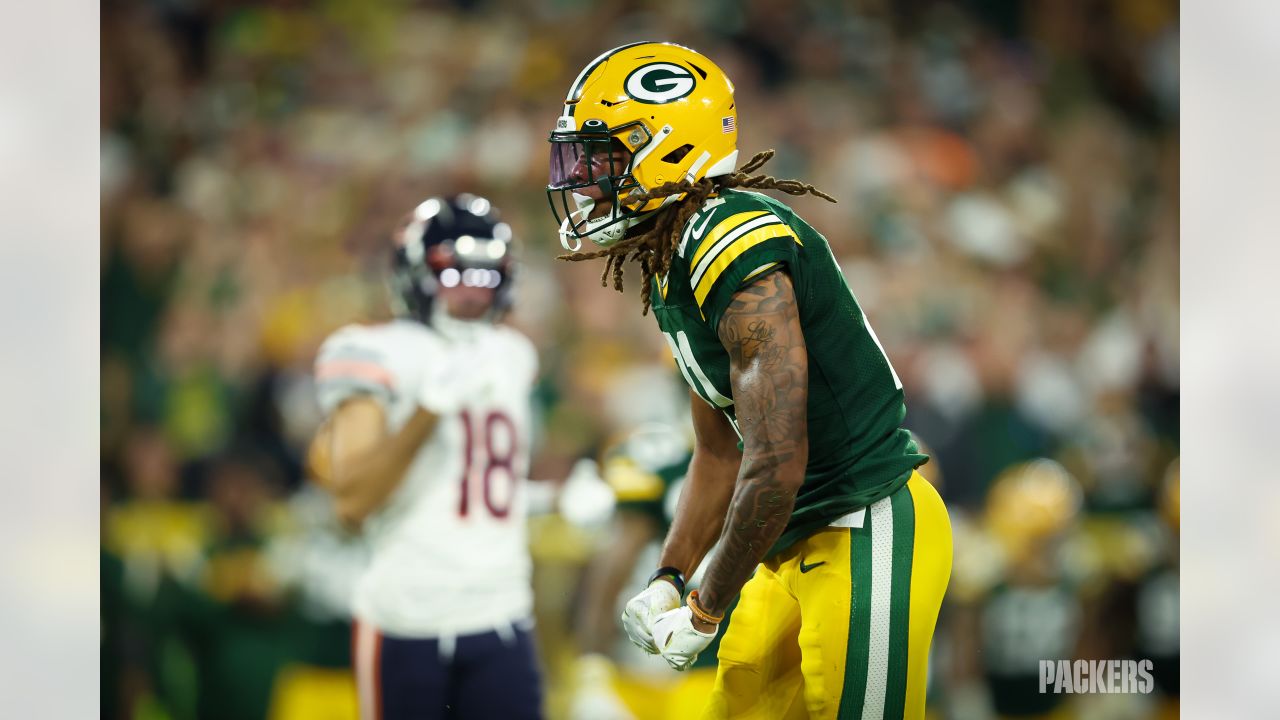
column 855, row 663
column 904, row 531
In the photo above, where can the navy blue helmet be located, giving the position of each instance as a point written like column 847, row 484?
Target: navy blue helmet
column 446, row 242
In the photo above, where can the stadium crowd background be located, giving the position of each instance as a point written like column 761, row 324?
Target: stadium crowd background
column 1008, row 218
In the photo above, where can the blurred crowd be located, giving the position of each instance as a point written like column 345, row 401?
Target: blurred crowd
column 1007, row 177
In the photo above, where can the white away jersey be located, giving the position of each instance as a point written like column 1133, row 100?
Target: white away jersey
column 449, row 553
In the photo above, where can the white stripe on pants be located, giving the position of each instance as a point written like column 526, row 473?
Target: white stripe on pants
column 881, row 587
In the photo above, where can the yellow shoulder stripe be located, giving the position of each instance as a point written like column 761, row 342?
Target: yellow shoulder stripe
column 731, row 253
column 720, row 230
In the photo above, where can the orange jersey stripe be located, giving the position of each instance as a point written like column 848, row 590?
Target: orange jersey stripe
column 359, row 369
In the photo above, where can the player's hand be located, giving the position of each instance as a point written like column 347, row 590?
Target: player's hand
column 678, row 640
column 637, row 618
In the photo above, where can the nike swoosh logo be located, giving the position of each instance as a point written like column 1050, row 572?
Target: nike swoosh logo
column 698, row 231
column 806, row 568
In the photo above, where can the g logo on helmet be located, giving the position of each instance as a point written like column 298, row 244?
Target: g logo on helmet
column 659, row 83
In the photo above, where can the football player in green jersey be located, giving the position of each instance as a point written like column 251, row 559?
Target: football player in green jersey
column 839, row 550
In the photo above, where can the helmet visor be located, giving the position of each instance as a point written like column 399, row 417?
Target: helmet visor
column 591, row 176
column 584, row 161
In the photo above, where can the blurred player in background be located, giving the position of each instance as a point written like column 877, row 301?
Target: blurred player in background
column 1017, row 597
column 646, row 470
column 801, row 468
column 426, row 443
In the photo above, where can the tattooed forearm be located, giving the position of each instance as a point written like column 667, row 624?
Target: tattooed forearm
column 769, row 374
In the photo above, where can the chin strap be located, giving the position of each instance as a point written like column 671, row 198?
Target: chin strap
column 567, row 235
column 619, row 227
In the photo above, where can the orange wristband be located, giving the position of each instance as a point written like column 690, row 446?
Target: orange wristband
column 696, row 608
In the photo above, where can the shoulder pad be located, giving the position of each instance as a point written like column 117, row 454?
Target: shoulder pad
column 523, row 352
column 720, row 220
column 356, row 359
column 713, row 212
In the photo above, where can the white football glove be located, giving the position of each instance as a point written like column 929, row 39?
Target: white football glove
column 678, row 640
column 637, row 618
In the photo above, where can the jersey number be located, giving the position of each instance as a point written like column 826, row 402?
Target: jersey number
column 689, row 368
column 688, row 364
column 682, row 351
column 499, row 453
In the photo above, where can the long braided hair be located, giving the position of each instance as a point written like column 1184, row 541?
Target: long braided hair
column 654, row 248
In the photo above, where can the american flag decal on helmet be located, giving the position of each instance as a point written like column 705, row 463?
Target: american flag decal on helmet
column 728, row 125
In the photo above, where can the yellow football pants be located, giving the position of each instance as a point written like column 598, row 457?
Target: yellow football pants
column 839, row 625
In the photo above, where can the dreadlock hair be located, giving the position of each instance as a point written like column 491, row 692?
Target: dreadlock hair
column 653, row 249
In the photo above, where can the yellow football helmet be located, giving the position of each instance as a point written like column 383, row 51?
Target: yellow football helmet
column 669, row 107
column 1032, row 502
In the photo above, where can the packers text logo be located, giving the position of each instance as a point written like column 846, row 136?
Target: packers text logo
column 659, row 83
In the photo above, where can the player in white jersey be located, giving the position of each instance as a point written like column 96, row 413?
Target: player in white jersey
column 426, row 445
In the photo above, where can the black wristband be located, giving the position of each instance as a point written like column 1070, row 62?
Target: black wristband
column 677, row 577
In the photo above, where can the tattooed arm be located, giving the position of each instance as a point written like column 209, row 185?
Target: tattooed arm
column 769, row 374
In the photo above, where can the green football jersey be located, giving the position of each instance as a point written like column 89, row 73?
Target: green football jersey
column 645, row 470
column 858, row 450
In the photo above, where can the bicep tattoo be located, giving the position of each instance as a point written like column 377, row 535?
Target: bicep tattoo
column 769, row 373
column 768, row 365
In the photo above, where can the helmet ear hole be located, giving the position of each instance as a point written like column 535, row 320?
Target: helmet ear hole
column 677, row 154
